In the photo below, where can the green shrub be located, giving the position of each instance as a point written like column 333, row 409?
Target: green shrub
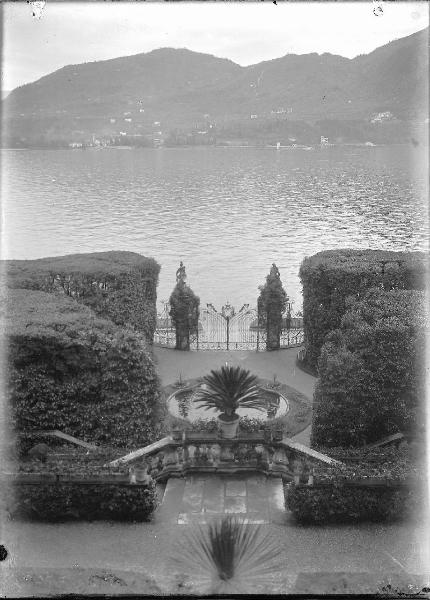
column 75, row 461
column 330, row 277
column 371, row 371
column 337, row 503
column 67, row 501
column 72, row 371
column 120, row 286
column 393, row 464
column 246, row 424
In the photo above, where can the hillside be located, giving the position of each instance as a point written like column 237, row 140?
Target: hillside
column 179, row 96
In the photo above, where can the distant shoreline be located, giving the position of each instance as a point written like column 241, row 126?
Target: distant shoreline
column 224, row 146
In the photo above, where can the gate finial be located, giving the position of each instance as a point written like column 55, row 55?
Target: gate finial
column 275, row 271
column 180, row 273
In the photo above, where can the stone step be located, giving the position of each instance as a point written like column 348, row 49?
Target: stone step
column 201, row 498
column 169, row 508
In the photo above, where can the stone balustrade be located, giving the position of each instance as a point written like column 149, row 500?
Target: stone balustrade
column 200, row 452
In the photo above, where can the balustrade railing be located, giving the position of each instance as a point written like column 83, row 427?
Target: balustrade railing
column 195, row 452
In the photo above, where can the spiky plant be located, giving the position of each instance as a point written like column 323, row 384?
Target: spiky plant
column 229, row 388
column 229, row 556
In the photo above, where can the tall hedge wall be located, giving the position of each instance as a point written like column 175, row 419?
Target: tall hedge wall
column 329, row 277
column 117, row 285
column 372, row 370
column 70, row 370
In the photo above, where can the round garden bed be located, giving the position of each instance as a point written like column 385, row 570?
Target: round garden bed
column 287, row 408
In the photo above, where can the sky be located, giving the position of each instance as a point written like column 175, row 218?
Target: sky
column 247, row 33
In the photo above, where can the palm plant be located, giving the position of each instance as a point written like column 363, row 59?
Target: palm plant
column 228, row 389
column 229, row 556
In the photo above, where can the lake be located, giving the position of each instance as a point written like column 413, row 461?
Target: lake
column 228, row 213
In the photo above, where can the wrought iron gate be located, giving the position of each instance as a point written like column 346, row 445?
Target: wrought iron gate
column 225, row 330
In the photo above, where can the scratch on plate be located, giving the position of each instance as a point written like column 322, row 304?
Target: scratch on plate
column 37, row 8
column 378, row 10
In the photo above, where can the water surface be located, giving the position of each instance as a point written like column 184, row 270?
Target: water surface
column 228, row 213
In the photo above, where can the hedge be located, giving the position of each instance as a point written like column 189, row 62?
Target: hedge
column 184, row 310
column 340, row 493
column 330, row 277
column 120, row 286
column 372, row 371
column 390, row 463
column 343, row 503
column 272, row 302
column 72, row 371
column 74, row 501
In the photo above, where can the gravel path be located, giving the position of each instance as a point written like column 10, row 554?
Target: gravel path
column 147, row 548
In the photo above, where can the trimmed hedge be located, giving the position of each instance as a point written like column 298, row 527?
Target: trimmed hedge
column 372, row 371
column 380, row 484
column 120, row 286
column 72, row 371
column 184, row 310
column 342, row 503
column 393, row 464
column 330, row 277
column 272, row 302
column 73, row 501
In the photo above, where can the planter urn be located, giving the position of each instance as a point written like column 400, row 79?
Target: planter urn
column 142, row 475
column 228, row 428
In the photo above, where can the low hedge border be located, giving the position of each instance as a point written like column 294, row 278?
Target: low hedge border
column 56, row 502
column 343, row 503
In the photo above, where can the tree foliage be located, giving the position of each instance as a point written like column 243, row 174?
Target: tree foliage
column 120, row 286
column 271, row 306
column 371, row 370
column 70, row 370
column 330, row 277
column 184, row 310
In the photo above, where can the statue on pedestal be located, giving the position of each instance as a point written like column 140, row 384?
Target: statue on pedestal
column 181, row 276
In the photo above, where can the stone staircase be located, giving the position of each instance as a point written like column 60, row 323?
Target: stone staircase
column 201, row 476
column 203, row 497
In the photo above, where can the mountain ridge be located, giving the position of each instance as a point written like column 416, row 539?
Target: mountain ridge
column 170, row 92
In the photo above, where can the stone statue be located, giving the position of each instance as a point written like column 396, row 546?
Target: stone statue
column 275, row 271
column 180, row 273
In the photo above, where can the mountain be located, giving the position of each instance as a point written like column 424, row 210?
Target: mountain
column 173, row 94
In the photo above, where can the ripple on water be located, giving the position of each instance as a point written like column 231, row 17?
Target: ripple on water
column 227, row 214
